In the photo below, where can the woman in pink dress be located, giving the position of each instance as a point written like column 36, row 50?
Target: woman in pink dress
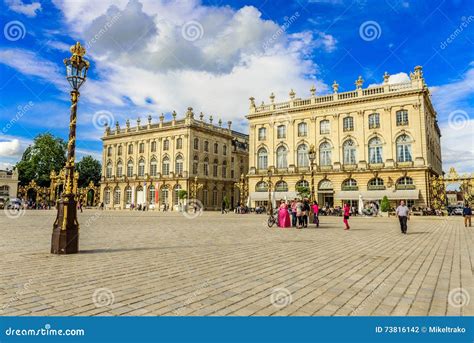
column 346, row 211
column 283, row 215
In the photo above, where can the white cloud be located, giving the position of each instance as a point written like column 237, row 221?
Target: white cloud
column 29, row 63
column 142, row 54
column 30, row 10
column 10, row 148
column 394, row 79
column 458, row 147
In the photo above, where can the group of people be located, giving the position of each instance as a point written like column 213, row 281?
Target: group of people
column 297, row 213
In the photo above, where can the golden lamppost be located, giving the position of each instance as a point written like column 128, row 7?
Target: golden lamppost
column 312, row 157
column 65, row 239
column 270, row 205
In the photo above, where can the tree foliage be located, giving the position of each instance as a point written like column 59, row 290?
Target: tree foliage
column 385, row 204
column 182, row 194
column 89, row 170
column 303, row 192
column 47, row 153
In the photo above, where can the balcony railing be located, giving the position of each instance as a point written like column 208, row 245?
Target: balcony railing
column 375, row 187
column 350, row 188
column 405, row 187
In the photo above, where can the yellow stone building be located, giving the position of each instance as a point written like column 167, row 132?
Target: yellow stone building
column 369, row 142
column 148, row 164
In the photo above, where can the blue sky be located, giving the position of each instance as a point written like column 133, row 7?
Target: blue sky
column 153, row 57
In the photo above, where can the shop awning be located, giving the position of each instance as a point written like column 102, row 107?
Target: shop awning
column 400, row 194
column 258, row 196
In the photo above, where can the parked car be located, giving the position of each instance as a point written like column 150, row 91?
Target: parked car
column 455, row 211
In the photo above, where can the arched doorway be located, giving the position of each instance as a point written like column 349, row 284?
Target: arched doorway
column 140, row 196
column 31, row 197
column 326, row 193
column 164, row 197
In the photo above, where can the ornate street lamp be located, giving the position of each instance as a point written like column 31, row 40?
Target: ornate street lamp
column 312, row 157
column 270, row 205
column 65, row 239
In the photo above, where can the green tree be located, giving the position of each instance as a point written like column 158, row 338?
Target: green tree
column 303, row 192
column 182, row 194
column 89, row 170
column 47, row 153
column 385, row 204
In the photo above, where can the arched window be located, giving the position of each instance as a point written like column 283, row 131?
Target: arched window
column 405, row 183
column 262, row 134
column 196, row 143
column 261, row 186
column 349, row 184
column 165, row 166
column 130, row 168
column 324, row 127
column 303, row 158
column 166, row 144
column 325, row 154
column 281, row 161
column 404, row 149
column 128, row 195
column 108, row 169
column 141, row 167
column 349, row 151
column 117, row 194
column 224, row 169
column 152, row 194
column 205, row 197
column 179, row 143
column 262, row 158
column 195, row 164
column 107, row 195
column 215, row 168
column 281, row 186
column 119, row 151
column 302, row 130
column 374, row 121
column 164, row 195
column 301, row 183
column 205, row 167
column 119, row 168
column 153, row 167
column 348, row 124
column 216, row 148
column 325, row 185
column 179, row 165
column 375, row 150
column 375, row 183
column 281, row 131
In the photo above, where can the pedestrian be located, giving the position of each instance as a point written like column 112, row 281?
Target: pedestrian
column 283, row 215
column 315, row 209
column 306, row 209
column 293, row 213
column 299, row 214
column 467, row 214
column 403, row 214
column 346, row 213
column 223, row 207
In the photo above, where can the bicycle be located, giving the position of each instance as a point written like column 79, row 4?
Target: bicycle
column 272, row 218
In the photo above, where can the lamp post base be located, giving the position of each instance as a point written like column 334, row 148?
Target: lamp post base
column 65, row 238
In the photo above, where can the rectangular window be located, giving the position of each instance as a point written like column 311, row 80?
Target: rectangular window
column 281, row 131
column 374, row 121
column 324, row 127
column 302, row 130
column 262, row 134
column 348, row 124
column 402, row 118
column 153, row 146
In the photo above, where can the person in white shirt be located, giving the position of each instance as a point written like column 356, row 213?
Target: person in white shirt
column 403, row 214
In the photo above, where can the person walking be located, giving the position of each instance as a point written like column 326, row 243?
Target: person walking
column 307, row 210
column 283, row 215
column 315, row 209
column 299, row 214
column 223, row 207
column 403, row 214
column 467, row 214
column 346, row 212
column 293, row 213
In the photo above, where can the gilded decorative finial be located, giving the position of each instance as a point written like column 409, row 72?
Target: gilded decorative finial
column 77, row 50
column 359, row 82
column 292, row 94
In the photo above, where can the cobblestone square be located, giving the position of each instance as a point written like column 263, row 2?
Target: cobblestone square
column 154, row 263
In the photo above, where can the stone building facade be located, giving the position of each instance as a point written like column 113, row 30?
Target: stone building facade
column 149, row 164
column 369, row 142
column 8, row 184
